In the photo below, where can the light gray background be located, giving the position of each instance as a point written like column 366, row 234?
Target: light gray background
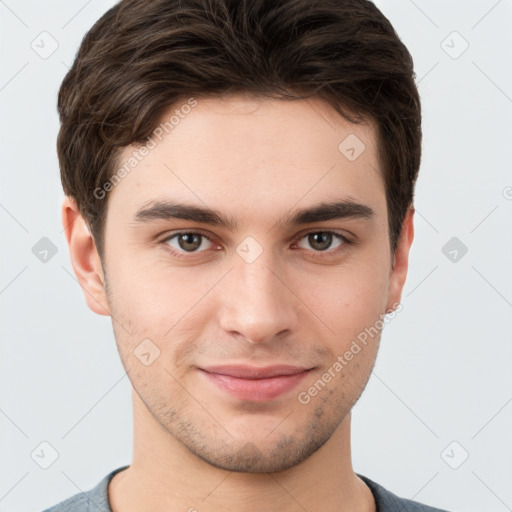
column 444, row 368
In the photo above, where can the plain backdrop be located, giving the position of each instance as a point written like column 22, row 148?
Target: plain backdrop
column 434, row 422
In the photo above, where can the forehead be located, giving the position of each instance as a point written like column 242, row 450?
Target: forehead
column 237, row 125
column 254, row 155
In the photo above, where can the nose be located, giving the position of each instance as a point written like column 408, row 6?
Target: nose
column 257, row 304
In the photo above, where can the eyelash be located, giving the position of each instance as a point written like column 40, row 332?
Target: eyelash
column 315, row 254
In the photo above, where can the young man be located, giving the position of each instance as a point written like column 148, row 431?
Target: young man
column 239, row 179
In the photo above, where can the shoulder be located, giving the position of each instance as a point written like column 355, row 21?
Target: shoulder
column 94, row 500
column 388, row 502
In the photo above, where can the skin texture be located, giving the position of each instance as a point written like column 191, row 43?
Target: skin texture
column 257, row 161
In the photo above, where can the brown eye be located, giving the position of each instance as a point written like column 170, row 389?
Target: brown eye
column 322, row 240
column 188, row 242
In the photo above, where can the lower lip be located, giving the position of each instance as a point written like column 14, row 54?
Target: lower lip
column 256, row 390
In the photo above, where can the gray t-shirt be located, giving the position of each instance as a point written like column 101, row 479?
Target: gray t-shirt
column 96, row 500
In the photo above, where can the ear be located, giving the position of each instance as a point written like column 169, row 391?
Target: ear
column 400, row 261
column 84, row 257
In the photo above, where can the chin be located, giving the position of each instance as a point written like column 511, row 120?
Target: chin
column 259, row 456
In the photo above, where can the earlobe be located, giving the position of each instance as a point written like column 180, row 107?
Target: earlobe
column 84, row 257
column 400, row 262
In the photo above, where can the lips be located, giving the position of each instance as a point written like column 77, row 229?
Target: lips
column 256, row 384
column 254, row 372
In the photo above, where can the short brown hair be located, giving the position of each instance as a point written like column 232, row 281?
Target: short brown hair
column 143, row 56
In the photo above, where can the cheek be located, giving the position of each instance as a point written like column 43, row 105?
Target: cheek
column 154, row 294
column 348, row 300
column 168, row 307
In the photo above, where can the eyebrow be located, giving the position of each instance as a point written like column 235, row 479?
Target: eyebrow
column 167, row 210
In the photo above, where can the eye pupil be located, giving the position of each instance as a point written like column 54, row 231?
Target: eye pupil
column 320, row 241
column 189, row 241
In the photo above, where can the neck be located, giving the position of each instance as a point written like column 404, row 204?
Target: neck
column 165, row 475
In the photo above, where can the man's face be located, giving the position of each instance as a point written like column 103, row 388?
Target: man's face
column 196, row 316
